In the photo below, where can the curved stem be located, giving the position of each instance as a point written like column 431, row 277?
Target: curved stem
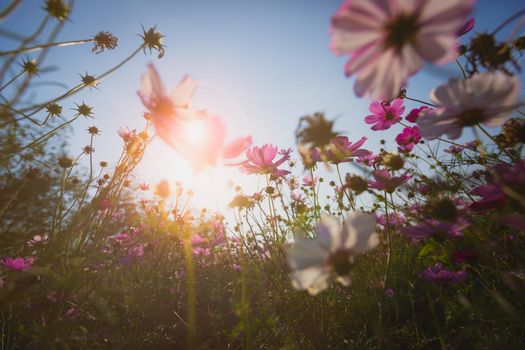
column 508, row 20
column 44, row 46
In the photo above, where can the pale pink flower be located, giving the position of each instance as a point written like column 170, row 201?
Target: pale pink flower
column 342, row 150
column 368, row 160
column 298, row 197
column 309, row 181
column 389, row 40
column 168, row 113
column 143, row 186
column 385, row 114
column 126, row 134
column 38, row 239
column 261, row 160
column 486, row 98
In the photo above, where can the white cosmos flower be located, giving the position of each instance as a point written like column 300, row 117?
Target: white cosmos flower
column 486, row 98
column 329, row 256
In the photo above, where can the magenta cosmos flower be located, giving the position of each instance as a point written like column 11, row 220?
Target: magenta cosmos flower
column 486, row 98
column 168, row 112
column 261, row 160
column 384, row 114
column 18, row 264
column 389, row 40
column 408, row 138
column 435, row 228
column 385, row 181
column 413, row 115
column 342, row 150
column 440, row 274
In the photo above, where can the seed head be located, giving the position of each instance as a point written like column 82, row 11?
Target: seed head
column 88, row 150
column 317, row 132
column 104, row 41
column 57, row 9
column 65, row 162
column 152, row 40
column 30, row 66
column 89, row 80
column 54, row 110
column 93, row 130
column 103, row 164
column 393, row 161
column 356, row 183
column 84, row 110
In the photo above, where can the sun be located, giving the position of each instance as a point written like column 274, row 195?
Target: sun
column 195, row 132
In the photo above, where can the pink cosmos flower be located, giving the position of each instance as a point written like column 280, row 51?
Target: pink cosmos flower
column 368, row 160
column 126, row 134
column 385, row 181
column 435, row 228
column 17, row 264
column 38, row 239
column 408, row 138
column 454, row 149
column 486, row 98
column 168, row 112
column 198, row 241
column 384, row 114
column 120, row 237
column 467, row 27
column 514, row 220
column 342, row 150
column 491, row 197
column 440, row 274
column 462, row 256
column 309, row 181
column 389, row 40
column 298, row 197
column 261, row 160
column 395, row 220
column 132, row 254
column 414, row 114
column 210, row 148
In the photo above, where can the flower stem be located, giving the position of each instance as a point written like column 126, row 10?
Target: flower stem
column 44, row 46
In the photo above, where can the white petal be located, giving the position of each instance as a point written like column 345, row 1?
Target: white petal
column 359, row 232
column 304, row 279
column 306, row 253
column 344, row 280
column 329, row 233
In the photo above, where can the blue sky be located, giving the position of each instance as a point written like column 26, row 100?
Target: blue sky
column 262, row 64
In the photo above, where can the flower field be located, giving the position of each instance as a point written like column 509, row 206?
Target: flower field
column 413, row 242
